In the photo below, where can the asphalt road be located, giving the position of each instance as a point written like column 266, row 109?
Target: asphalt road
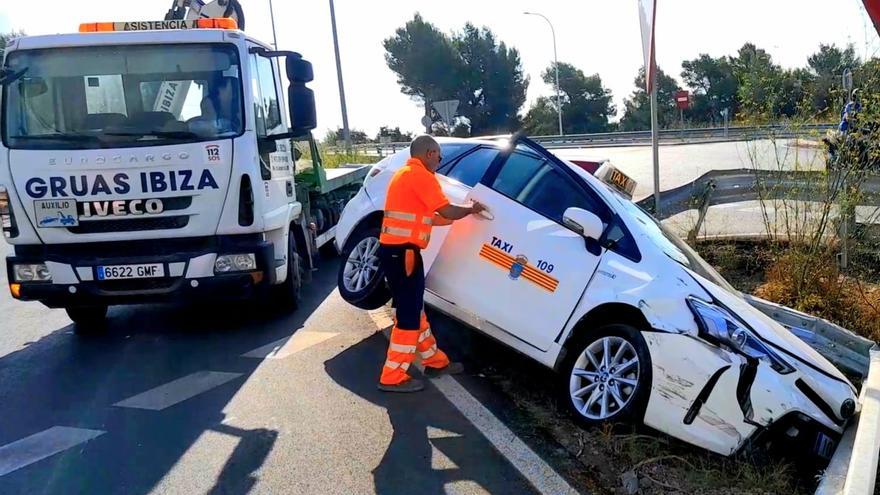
column 234, row 398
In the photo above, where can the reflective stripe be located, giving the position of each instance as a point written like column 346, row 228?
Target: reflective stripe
column 428, row 220
column 424, row 236
column 394, row 365
column 425, row 334
column 406, row 349
column 430, row 352
column 401, row 215
column 396, row 231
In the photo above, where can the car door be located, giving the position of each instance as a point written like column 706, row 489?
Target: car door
column 522, row 271
column 457, row 179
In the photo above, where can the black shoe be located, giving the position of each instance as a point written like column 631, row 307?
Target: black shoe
column 449, row 369
column 411, row 385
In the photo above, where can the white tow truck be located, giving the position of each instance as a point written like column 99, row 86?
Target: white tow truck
column 152, row 161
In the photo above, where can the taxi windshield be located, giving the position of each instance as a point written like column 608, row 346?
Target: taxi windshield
column 121, row 96
column 673, row 246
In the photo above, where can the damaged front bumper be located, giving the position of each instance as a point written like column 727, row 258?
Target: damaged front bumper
column 743, row 399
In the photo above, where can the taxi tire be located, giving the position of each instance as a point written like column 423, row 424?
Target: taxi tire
column 376, row 293
column 634, row 410
column 88, row 320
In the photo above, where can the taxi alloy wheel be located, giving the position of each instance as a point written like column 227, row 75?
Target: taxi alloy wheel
column 361, row 279
column 609, row 377
column 362, row 264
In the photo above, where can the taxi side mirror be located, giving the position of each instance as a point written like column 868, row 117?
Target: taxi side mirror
column 583, row 222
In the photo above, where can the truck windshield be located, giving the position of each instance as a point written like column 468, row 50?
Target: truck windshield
column 121, row 96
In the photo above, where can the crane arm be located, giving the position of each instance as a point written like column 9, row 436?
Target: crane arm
column 197, row 9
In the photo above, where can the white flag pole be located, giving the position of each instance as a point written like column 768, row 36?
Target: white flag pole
column 655, row 144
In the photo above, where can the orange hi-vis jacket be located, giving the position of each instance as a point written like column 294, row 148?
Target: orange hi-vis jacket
column 414, row 194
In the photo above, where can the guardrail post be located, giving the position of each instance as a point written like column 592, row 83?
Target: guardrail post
column 704, row 207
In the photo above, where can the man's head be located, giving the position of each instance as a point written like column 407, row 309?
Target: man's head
column 426, row 149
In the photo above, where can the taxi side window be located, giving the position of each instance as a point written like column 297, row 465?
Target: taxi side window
column 551, row 193
column 516, row 172
column 471, row 168
column 539, row 185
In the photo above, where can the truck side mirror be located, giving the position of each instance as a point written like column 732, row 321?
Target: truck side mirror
column 583, row 222
column 30, row 87
column 300, row 99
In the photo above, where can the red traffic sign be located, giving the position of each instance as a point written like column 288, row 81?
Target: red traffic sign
column 682, row 99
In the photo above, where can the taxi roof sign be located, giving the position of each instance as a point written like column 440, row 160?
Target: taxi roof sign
column 621, row 182
column 210, row 23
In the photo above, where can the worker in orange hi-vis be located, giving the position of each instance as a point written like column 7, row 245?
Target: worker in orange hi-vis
column 414, row 203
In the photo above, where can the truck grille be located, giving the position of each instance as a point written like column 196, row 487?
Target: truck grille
column 130, row 225
column 138, row 285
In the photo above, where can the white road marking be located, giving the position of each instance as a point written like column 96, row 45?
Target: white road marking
column 177, row 391
column 434, row 432
column 524, row 459
column 41, row 445
column 529, row 464
column 283, row 348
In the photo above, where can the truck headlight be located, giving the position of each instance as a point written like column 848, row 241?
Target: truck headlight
column 717, row 325
column 7, row 219
column 31, row 272
column 228, row 263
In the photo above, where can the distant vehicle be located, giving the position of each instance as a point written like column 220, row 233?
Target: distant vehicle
column 568, row 271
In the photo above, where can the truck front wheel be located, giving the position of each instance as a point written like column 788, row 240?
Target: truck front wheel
column 88, row 320
column 287, row 294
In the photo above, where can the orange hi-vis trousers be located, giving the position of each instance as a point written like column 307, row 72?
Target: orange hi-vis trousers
column 402, row 352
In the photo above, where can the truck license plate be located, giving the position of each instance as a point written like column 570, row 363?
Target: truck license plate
column 117, row 272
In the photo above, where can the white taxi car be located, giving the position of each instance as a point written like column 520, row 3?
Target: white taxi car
column 565, row 269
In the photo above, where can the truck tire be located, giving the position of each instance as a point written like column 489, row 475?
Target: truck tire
column 287, row 294
column 88, row 320
column 606, row 377
column 361, row 279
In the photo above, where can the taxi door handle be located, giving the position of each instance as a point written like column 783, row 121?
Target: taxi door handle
column 487, row 214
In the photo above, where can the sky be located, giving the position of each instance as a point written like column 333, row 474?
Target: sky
column 597, row 36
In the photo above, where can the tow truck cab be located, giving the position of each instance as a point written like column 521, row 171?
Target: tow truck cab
column 150, row 161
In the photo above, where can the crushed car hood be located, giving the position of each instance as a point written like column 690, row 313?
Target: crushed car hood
column 770, row 331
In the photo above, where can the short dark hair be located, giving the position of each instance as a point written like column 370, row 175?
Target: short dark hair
column 421, row 144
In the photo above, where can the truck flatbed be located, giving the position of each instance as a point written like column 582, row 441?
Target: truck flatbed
column 343, row 176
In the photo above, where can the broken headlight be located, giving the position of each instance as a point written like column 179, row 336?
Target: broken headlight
column 717, row 325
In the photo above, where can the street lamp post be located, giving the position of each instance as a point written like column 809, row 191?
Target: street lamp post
column 346, row 135
column 272, row 17
column 555, row 67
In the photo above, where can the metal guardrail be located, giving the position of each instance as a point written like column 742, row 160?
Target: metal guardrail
column 669, row 136
column 630, row 138
column 853, row 467
column 843, row 348
column 739, row 185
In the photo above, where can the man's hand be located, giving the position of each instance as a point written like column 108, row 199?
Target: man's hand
column 477, row 207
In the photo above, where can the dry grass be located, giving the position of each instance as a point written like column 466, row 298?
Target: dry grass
column 812, row 283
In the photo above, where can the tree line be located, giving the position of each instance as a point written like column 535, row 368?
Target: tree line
column 486, row 76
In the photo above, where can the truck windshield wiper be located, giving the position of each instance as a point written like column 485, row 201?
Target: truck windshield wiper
column 164, row 134
column 59, row 137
